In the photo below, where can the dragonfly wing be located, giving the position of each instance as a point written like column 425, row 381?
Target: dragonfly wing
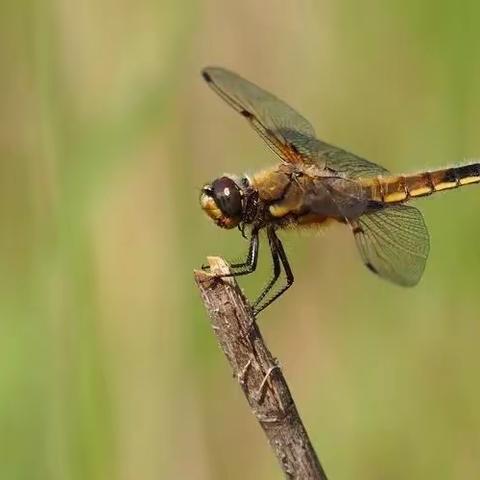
column 348, row 164
column 394, row 243
column 285, row 131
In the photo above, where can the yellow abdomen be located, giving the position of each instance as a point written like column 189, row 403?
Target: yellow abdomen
column 398, row 189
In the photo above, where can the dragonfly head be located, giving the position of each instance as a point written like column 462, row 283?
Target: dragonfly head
column 223, row 201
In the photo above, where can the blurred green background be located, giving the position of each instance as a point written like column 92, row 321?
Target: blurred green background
column 108, row 366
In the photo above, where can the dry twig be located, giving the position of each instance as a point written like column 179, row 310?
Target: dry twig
column 257, row 372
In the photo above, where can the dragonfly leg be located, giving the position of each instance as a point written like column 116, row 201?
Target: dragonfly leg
column 278, row 253
column 276, row 271
column 250, row 263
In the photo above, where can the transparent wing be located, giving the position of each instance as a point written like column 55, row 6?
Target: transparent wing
column 285, row 131
column 348, row 163
column 342, row 162
column 394, row 243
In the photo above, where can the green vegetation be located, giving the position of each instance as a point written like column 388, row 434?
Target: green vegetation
column 107, row 365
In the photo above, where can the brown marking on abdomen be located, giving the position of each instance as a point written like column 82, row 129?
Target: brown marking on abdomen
column 399, row 189
column 419, row 185
column 395, row 191
column 388, row 189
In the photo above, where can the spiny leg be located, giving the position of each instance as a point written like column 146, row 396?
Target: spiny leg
column 276, row 270
column 252, row 255
column 280, row 252
column 250, row 263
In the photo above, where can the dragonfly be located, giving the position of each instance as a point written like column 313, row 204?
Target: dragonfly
column 315, row 184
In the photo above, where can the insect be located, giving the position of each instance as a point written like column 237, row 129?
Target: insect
column 316, row 183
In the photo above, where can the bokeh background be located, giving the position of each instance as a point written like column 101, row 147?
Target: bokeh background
column 108, row 366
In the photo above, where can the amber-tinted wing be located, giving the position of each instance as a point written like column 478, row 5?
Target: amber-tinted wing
column 285, row 131
column 348, row 163
column 394, row 243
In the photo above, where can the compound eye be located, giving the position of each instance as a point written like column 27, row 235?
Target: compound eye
column 227, row 196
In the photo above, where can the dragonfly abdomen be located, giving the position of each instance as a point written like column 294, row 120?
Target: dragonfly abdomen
column 399, row 189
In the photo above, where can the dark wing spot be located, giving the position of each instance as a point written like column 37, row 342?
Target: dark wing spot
column 293, row 147
column 246, row 114
column 371, row 267
column 357, row 229
column 206, row 76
